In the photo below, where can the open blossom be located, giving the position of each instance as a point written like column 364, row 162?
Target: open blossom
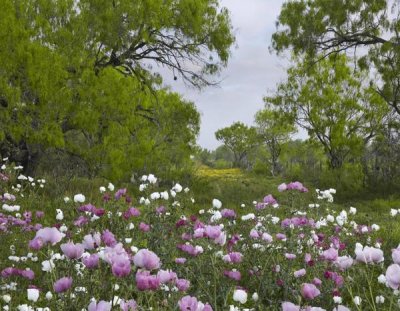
column 131, row 212
column 99, row 306
column 344, row 262
column 382, row 279
column 296, row 186
column 36, row 244
column 396, row 255
column 317, row 282
column 60, row 214
column 288, row 306
column 254, row 234
column 281, row 236
column 180, row 260
column 282, row 187
column 308, row 259
column 248, row 216
column 91, row 241
column 290, row 256
column 91, row 261
column 228, row 213
column 353, row 210
column 234, row 257
column 217, row 203
column 267, row 237
column 120, row 193
column 10, row 271
column 269, row 200
column 166, row 276
column 48, row 265
column 33, row 294
column 234, row 275
column 368, row 254
column 190, row 249
column 240, row 295
column 393, row 276
column 300, row 273
column 72, row 251
column 47, row 235
column 182, row 284
column 108, row 238
column 215, row 233
column 357, row 300
column 146, row 281
column 146, row 259
column 177, row 188
column 121, row 266
column 144, row 227
column 62, row 285
column 79, row 198
column 129, row 305
column 330, row 254
column 152, row 179
column 155, row 196
column 189, row 303
column 81, row 221
column 309, row 291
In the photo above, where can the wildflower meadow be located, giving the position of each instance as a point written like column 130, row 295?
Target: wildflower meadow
column 161, row 251
column 199, row 155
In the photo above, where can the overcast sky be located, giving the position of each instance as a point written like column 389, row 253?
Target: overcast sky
column 252, row 71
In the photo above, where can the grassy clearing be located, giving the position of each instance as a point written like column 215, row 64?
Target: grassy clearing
column 234, row 187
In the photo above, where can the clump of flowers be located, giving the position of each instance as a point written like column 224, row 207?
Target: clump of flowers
column 162, row 251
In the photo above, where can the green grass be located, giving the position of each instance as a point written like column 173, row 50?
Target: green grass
column 234, row 187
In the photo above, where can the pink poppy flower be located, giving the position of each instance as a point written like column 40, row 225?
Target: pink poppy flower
column 146, row 259
column 62, row 285
column 309, row 291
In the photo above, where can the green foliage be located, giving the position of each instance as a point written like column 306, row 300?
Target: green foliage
column 320, row 28
column 232, row 186
column 332, row 103
column 76, row 77
column 221, row 164
column 304, row 160
column 261, row 160
column 368, row 30
column 222, row 157
column 240, row 139
column 274, row 130
column 224, row 153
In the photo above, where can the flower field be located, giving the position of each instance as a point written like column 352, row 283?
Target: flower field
column 161, row 251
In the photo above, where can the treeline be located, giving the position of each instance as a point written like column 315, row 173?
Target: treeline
column 346, row 98
column 353, row 134
column 377, row 169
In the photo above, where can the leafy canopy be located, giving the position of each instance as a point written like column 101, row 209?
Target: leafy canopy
column 332, row 103
column 367, row 28
column 80, row 77
column 274, row 131
column 240, row 139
